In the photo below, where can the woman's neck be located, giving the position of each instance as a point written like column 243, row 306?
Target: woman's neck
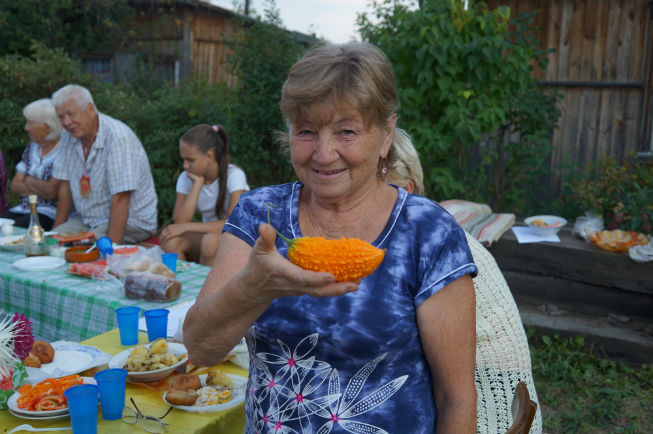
column 363, row 218
column 47, row 146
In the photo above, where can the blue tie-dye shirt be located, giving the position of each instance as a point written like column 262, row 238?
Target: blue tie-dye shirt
column 352, row 363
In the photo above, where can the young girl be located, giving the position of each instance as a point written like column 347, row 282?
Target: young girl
column 208, row 184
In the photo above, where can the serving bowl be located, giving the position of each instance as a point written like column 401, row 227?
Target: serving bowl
column 120, row 359
column 545, row 224
column 80, row 254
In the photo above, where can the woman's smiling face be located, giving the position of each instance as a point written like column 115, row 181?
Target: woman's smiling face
column 337, row 158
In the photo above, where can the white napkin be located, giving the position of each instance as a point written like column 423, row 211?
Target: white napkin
column 525, row 235
column 66, row 362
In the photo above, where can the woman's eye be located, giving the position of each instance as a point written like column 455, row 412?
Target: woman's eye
column 347, row 133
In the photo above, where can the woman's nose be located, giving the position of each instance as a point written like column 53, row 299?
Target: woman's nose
column 325, row 150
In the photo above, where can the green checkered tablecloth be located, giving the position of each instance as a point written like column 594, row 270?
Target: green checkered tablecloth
column 63, row 306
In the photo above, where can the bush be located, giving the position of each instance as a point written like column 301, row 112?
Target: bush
column 464, row 78
column 621, row 193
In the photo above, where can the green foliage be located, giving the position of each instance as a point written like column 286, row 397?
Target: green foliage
column 70, row 24
column 465, row 79
column 262, row 56
column 25, row 79
column 621, row 193
column 580, row 392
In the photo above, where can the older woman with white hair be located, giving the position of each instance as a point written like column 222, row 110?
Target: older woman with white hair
column 34, row 171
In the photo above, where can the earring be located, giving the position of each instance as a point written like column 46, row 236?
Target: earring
column 382, row 169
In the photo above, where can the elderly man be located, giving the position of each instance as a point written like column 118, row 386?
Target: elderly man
column 103, row 171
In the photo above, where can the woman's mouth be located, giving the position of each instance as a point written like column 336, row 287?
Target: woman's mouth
column 331, row 172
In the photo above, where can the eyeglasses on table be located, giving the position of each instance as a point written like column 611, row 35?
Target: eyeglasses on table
column 151, row 424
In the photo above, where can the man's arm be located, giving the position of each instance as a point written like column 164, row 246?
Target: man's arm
column 46, row 189
column 65, row 203
column 118, row 216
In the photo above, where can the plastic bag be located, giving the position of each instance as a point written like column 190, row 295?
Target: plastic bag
column 586, row 226
column 147, row 260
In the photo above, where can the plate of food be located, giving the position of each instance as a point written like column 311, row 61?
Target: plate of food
column 152, row 361
column 61, row 359
column 44, row 399
column 13, row 243
column 545, row 224
column 73, row 237
column 215, row 391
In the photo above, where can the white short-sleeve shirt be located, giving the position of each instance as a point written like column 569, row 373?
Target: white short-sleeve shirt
column 236, row 180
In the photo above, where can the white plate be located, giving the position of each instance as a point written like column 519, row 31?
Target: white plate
column 32, row 417
column 120, row 359
column 39, row 263
column 12, row 404
column 6, row 243
column 4, row 220
column 69, row 358
column 237, row 396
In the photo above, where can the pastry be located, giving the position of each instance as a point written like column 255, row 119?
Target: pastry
column 181, row 397
column 186, row 382
column 32, row 361
column 43, row 351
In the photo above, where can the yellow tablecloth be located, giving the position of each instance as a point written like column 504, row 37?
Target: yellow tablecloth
column 150, row 402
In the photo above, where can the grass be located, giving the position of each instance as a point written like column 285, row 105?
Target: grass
column 580, row 392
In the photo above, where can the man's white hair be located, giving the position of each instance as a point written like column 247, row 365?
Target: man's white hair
column 79, row 94
column 42, row 111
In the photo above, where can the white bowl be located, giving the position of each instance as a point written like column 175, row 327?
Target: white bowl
column 545, row 224
column 120, row 359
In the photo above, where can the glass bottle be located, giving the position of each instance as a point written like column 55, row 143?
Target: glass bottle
column 35, row 244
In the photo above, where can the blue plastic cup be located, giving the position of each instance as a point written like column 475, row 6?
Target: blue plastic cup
column 157, row 323
column 105, row 246
column 170, row 261
column 128, row 324
column 82, row 404
column 112, row 383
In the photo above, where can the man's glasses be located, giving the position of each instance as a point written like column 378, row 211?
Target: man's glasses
column 150, row 424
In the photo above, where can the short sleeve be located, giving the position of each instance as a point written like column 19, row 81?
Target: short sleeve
column 445, row 261
column 184, row 183
column 237, row 180
column 61, row 167
column 124, row 159
column 241, row 223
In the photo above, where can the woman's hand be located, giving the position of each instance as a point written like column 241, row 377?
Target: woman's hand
column 197, row 179
column 173, row 230
column 268, row 275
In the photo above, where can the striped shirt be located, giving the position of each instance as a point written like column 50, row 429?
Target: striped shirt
column 117, row 163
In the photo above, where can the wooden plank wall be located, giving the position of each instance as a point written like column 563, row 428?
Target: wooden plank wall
column 210, row 35
column 600, row 42
column 163, row 34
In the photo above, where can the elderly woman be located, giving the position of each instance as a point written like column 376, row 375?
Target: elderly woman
column 502, row 355
column 34, row 171
column 393, row 352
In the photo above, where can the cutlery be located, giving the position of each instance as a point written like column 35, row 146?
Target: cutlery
column 26, row 427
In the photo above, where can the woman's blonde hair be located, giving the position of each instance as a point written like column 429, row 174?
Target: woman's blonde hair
column 357, row 74
column 403, row 163
column 43, row 112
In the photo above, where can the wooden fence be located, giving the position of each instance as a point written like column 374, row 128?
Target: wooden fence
column 602, row 67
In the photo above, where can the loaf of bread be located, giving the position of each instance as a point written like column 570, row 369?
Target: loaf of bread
column 151, row 287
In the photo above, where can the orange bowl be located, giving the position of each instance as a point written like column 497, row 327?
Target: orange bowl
column 78, row 254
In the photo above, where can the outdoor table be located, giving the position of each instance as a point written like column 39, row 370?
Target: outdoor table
column 63, row 306
column 150, row 402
